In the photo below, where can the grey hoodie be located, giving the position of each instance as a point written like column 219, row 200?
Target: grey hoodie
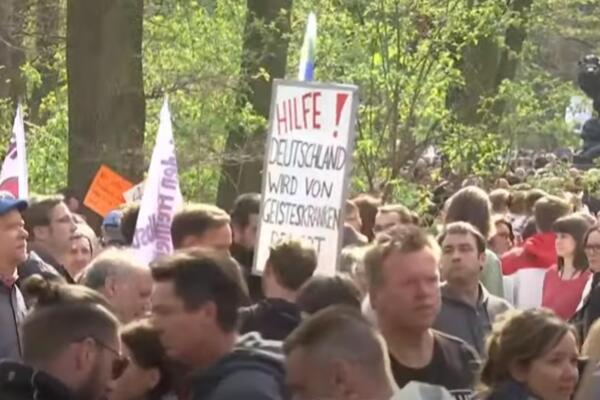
column 254, row 370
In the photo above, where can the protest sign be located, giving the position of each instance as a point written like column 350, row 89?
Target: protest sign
column 306, row 168
column 135, row 193
column 106, row 191
column 161, row 196
column 14, row 176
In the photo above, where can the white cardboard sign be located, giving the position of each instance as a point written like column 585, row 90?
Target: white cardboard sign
column 307, row 168
column 135, row 194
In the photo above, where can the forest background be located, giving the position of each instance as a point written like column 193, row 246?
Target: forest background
column 477, row 79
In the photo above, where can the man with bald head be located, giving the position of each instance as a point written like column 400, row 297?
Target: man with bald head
column 336, row 354
column 123, row 280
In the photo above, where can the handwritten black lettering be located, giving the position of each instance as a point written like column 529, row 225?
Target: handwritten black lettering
column 302, row 154
column 318, row 188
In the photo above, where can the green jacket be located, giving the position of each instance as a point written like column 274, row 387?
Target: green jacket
column 491, row 276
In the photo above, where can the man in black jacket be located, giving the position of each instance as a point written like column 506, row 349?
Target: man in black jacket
column 245, row 215
column 195, row 305
column 291, row 263
column 71, row 347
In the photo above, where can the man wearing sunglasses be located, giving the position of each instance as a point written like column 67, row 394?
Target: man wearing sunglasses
column 71, row 346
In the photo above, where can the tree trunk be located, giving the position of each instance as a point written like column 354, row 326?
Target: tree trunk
column 106, row 94
column 265, row 49
column 486, row 65
column 48, row 18
column 12, row 55
column 515, row 37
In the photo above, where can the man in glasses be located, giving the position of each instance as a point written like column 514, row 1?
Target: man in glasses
column 50, row 225
column 71, row 346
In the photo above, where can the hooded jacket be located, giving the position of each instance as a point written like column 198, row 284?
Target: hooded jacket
column 254, row 370
column 274, row 319
column 538, row 251
column 20, row 382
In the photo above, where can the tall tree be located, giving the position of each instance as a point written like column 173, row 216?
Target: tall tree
column 485, row 64
column 47, row 40
column 12, row 54
column 264, row 58
column 106, row 93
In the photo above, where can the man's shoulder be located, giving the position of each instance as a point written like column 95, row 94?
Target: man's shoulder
column 497, row 305
column 254, row 370
column 34, row 264
column 455, row 348
column 251, row 384
column 242, row 383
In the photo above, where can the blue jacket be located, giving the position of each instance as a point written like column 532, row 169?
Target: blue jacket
column 254, row 370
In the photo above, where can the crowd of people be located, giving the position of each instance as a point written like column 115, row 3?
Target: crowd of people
column 498, row 299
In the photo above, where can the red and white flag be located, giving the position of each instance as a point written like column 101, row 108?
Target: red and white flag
column 162, row 196
column 13, row 176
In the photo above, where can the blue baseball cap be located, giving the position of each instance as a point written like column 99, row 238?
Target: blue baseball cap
column 8, row 202
column 113, row 219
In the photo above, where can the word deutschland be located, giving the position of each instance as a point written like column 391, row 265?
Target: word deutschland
column 301, row 154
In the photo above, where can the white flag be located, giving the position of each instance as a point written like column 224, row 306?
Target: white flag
column 162, row 196
column 13, row 177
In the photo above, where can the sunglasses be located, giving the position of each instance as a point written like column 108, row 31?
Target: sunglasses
column 120, row 363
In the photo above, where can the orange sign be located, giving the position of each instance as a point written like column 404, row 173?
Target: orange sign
column 106, row 191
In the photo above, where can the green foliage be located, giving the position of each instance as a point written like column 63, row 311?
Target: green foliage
column 404, row 55
column 192, row 53
column 470, row 151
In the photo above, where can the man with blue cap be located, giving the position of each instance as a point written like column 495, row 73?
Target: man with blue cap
column 13, row 251
column 111, row 229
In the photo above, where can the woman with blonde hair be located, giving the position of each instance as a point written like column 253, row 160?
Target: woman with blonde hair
column 532, row 354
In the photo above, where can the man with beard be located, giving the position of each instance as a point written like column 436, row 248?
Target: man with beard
column 244, row 226
column 71, row 346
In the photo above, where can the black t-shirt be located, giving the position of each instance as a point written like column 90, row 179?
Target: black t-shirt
column 454, row 365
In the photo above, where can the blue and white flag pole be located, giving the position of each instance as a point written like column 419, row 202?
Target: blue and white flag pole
column 309, row 49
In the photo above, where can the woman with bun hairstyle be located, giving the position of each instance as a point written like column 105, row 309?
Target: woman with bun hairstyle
column 532, row 355
column 564, row 282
